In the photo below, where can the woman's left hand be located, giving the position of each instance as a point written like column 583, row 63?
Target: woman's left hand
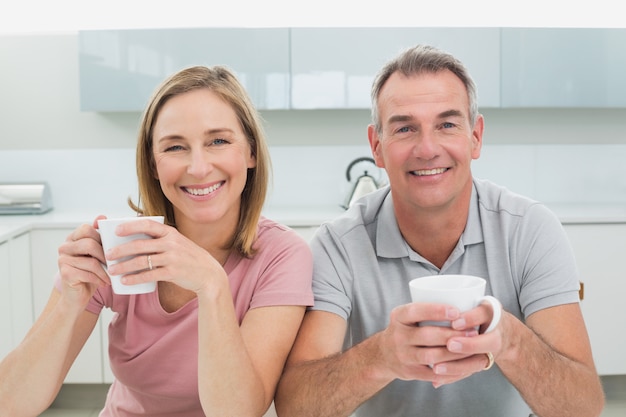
column 173, row 258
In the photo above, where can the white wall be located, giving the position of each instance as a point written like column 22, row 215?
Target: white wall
column 49, row 16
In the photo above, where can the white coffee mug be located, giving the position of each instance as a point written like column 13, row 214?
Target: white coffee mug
column 110, row 240
column 461, row 291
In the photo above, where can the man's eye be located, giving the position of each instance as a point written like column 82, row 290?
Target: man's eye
column 447, row 125
column 404, row 129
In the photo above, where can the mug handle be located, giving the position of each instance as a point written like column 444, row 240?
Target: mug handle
column 496, row 307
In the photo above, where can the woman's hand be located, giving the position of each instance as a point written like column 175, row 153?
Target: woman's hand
column 81, row 264
column 173, row 258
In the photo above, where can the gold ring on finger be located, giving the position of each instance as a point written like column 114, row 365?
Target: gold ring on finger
column 491, row 361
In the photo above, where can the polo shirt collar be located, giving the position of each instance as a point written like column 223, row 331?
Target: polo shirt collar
column 391, row 244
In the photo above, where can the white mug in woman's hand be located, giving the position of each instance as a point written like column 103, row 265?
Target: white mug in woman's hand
column 110, row 239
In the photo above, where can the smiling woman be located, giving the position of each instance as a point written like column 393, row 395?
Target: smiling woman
column 198, row 136
column 231, row 285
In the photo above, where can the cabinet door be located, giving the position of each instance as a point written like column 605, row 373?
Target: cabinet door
column 335, row 67
column 119, row 69
column 6, row 330
column 563, row 67
column 21, row 286
column 44, row 254
column 599, row 249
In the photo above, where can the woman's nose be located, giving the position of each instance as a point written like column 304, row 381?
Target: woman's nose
column 200, row 164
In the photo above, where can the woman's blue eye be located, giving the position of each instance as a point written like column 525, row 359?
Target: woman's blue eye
column 219, row 141
column 173, row 148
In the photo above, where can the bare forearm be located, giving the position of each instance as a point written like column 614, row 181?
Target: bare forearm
column 228, row 381
column 331, row 387
column 552, row 384
column 31, row 375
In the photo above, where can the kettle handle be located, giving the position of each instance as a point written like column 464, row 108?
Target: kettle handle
column 356, row 161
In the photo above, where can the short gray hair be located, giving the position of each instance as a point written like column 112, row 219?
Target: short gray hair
column 418, row 60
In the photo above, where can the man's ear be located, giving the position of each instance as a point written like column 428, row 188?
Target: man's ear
column 477, row 136
column 375, row 146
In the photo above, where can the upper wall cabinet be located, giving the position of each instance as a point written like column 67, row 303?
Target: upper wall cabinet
column 119, row 69
column 563, row 67
column 335, row 67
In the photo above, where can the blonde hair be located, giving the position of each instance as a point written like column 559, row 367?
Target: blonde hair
column 221, row 81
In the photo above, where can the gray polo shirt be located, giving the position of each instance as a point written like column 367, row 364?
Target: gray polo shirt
column 362, row 267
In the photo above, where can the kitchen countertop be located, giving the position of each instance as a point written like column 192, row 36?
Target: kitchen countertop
column 589, row 213
column 14, row 225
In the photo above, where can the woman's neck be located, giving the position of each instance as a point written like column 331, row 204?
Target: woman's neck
column 213, row 237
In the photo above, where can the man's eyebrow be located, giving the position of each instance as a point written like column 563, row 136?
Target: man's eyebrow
column 399, row 118
column 407, row 118
column 450, row 113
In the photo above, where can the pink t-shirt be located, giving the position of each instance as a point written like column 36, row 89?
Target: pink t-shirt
column 154, row 354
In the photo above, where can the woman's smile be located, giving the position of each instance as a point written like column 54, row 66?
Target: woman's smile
column 197, row 190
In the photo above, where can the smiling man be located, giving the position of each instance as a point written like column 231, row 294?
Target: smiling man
column 360, row 349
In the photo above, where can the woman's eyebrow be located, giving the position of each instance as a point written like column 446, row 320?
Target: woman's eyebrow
column 169, row 138
column 218, row 130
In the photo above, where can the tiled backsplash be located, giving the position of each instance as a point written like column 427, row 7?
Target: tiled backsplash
column 315, row 176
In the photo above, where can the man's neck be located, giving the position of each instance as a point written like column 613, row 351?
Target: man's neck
column 434, row 232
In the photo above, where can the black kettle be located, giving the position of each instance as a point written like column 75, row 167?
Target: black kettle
column 365, row 184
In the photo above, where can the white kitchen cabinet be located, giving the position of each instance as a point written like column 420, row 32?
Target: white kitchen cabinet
column 6, row 329
column 16, row 308
column 119, row 69
column 335, row 67
column 88, row 367
column 44, row 255
column 599, row 249
column 21, row 286
column 563, row 67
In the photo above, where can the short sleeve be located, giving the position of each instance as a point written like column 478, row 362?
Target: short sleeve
column 332, row 276
column 550, row 275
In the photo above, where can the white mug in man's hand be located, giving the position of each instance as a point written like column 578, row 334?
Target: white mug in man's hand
column 461, row 291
